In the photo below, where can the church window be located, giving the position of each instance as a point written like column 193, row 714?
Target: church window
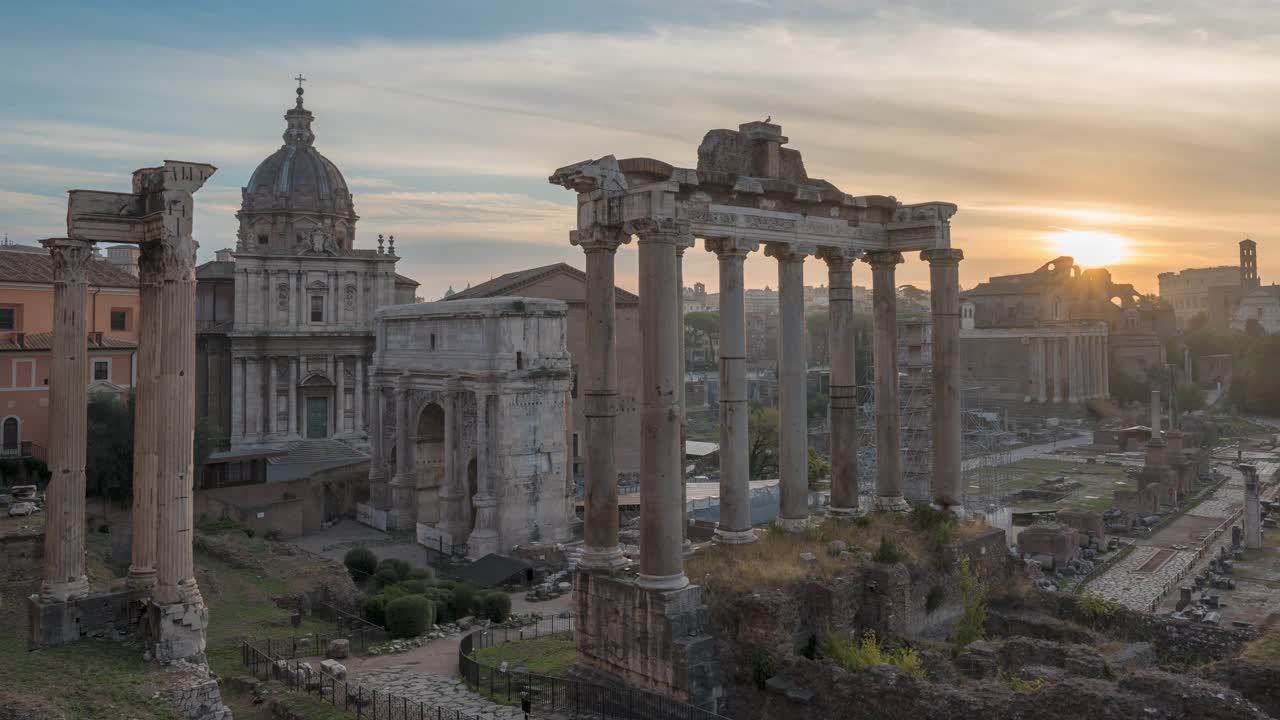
column 119, row 320
column 433, row 341
column 317, row 308
column 519, row 360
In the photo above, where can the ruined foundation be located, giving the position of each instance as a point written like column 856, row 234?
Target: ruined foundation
column 645, row 638
column 113, row 615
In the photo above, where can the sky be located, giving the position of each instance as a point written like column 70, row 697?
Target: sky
column 1143, row 136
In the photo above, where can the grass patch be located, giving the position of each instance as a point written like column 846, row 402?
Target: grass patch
column 1094, row 607
column 859, row 655
column 1097, row 490
column 302, row 705
column 1265, row 648
column 1019, row 685
column 549, row 655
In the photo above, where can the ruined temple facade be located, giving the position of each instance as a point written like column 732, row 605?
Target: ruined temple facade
column 470, row 411
column 644, row 622
column 1052, row 336
column 286, row 320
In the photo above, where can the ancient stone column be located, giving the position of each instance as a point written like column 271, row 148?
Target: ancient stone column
column 293, row 397
column 735, row 471
column 843, row 393
column 1073, row 368
column 1106, row 369
column 1055, row 371
column 64, row 563
column 252, row 399
column 449, row 494
column 149, row 420
column 793, row 433
column 484, row 537
column 888, row 427
column 661, row 457
column 1155, row 414
column 378, row 491
column 686, row 546
column 359, row 395
column 944, row 292
column 273, row 397
column 600, row 400
column 1252, row 519
column 402, row 514
column 1041, row 375
column 237, row 396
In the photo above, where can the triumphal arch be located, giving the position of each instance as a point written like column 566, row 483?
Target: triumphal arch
column 748, row 193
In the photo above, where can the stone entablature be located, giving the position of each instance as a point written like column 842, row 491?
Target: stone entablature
column 470, row 423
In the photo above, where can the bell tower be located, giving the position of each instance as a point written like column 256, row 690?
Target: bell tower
column 1248, row 265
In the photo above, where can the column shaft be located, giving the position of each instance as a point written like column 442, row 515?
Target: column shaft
column 1055, row 377
column 888, row 427
column 484, row 538
column 237, row 397
column 661, row 552
column 600, row 400
column 402, row 513
column 944, row 291
column 359, row 395
column 735, row 469
column 146, row 428
column 293, row 397
column 793, row 435
column 273, row 399
column 378, row 493
column 1106, row 368
column 843, row 393
column 340, row 402
column 64, row 562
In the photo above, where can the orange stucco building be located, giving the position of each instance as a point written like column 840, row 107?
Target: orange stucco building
column 26, row 325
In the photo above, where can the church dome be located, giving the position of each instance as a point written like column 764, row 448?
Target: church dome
column 294, row 193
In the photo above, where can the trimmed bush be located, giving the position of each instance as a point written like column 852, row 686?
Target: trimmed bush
column 464, row 600
column 385, row 577
column 420, row 574
column 415, row 587
column 888, row 552
column 495, row 606
column 443, row 600
column 360, row 562
column 399, row 567
column 409, row 616
column 375, row 607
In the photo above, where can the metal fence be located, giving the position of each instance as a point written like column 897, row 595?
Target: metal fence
column 360, row 702
column 547, row 695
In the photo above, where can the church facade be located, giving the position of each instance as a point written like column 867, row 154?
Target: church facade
column 286, row 319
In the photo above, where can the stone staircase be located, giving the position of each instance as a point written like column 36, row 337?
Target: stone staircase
column 310, row 451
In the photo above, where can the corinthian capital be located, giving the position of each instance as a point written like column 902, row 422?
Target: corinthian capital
column 71, row 259
column 664, row 229
column 599, row 237
column 942, row 256
column 736, row 245
column 883, row 258
column 169, row 258
column 839, row 258
column 789, row 252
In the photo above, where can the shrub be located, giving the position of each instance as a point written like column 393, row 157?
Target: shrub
column 973, row 603
column 888, row 552
column 1094, row 607
column 415, row 587
column 495, row 606
column 443, row 600
column 409, row 616
column 464, row 599
column 399, row 567
column 908, row 662
column 385, row 577
column 850, row 654
column 1018, row 685
column 375, row 607
column 763, row 666
column 420, row 574
column 360, row 562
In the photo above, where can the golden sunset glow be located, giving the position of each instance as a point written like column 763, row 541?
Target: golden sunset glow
column 1090, row 248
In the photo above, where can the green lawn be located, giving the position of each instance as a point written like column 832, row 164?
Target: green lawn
column 1098, row 482
column 550, row 655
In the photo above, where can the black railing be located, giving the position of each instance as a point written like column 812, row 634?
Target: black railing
column 362, row 703
column 548, row 695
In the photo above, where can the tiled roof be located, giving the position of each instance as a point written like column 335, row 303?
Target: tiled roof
column 24, row 266
column 513, row 282
column 402, row 280
column 44, row 341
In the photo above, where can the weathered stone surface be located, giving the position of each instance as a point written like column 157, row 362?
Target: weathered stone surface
column 333, row 668
column 339, row 648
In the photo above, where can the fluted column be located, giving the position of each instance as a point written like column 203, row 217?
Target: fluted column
column 64, row 562
column 237, row 399
column 661, row 457
column 451, row 495
column 1055, row 373
column 293, row 396
column 147, row 424
column 402, row 513
column 944, row 293
column 359, row 395
column 793, row 434
column 843, row 391
column 685, row 242
column 888, row 428
column 1106, row 367
column 1041, row 374
column 1073, row 368
column 600, row 399
column 378, row 491
column 484, row 537
column 735, row 468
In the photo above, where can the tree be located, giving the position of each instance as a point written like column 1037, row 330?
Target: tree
column 1152, row 303
column 1190, row 398
column 1253, row 328
column 1256, row 384
column 109, row 447
column 818, row 467
column 702, row 329
column 1199, row 321
column 762, row 440
column 818, row 403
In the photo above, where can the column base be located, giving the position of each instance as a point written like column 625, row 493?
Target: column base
column 177, row 631
column 842, row 513
column 481, row 543
column 793, row 524
column 141, row 578
column 64, row 591
column 735, row 537
column 606, row 558
column 662, row 583
column 955, row 510
column 892, row 503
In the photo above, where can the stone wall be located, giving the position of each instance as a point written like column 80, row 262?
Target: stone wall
column 652, row 640
column 113, row 615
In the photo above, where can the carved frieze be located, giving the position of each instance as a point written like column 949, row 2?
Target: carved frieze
column 282, row 296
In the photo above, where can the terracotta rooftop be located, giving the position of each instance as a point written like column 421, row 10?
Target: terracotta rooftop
column 24, row 265
column 44, row 341
column 513, row 282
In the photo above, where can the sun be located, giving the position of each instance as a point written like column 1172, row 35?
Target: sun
column 1090, row 248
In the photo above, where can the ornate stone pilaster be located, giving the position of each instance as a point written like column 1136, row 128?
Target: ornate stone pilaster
column 843, row 393
column 735, row 470
column 793, row 434
column 600, row 399
column 293, row 397
column 888, row 426
column 340, row 396
column 944, row 293
column 661, row 455
column 451, row 493
column 402, row 513
column 484, row 537
column 273, row 397
column 378, row 491
column 64, row 562
column 358, row 426
column 148, row 422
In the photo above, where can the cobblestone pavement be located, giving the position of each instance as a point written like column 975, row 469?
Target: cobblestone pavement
column 452, row 696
